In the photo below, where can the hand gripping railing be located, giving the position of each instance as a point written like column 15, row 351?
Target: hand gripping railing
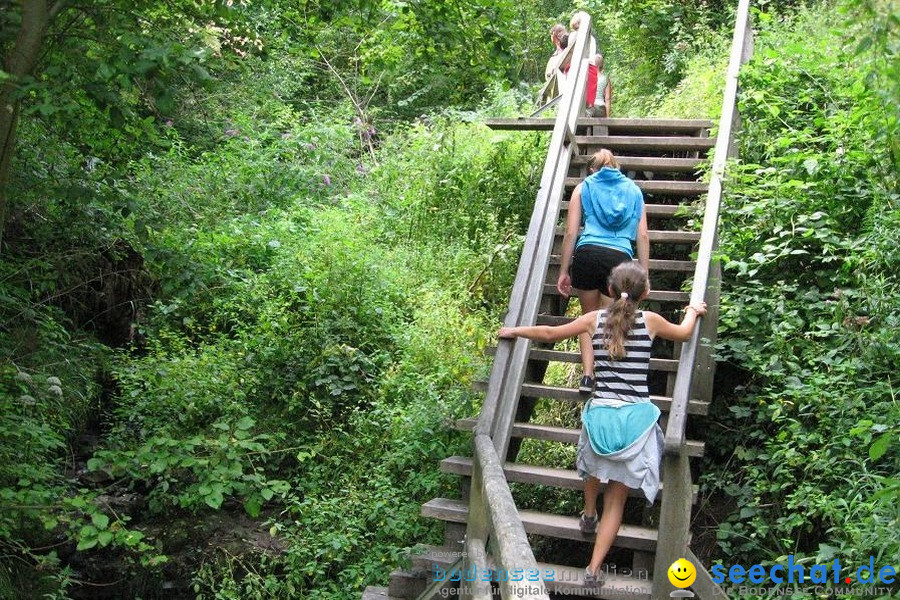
column 493, row 520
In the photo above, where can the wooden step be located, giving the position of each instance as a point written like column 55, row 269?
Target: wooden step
column 536, row 475
column 654, row 164
column 648, row 126
column 406, row 584
column 544, row 524
column 562, row 435
column 377, row 593
column 676, row 236
column 660, row 295
column 656, row 364
column 653, row 210
column 423, row 558
column 557, row 320
column 684, row 266
column 552, row 392
column 539, row 390
column 658, row 144
column 614, row 124
column 660, row 187
column 569, row 581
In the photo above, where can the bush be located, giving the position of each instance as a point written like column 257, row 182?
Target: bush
column 810, row 310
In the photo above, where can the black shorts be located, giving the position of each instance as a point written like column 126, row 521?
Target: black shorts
column 592, row 265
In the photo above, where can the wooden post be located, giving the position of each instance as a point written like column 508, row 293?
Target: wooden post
column 674, row 520
column 476, row 559
column 508, row 533
column 705, row 368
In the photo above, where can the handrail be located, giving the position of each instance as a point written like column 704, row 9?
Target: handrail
column 674, row 437
column 509, row 540
column 508, row 371
column 493, row 519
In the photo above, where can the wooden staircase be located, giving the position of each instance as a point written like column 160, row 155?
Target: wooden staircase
column 671, row 192
column 664, row 157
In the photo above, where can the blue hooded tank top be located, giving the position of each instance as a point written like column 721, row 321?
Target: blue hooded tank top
column 611, row 209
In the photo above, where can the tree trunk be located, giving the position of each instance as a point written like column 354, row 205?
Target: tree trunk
column 19, row 62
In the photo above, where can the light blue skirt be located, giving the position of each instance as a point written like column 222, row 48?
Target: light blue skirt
column 621, row 441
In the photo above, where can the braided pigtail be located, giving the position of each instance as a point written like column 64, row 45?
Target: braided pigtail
column 628, row 283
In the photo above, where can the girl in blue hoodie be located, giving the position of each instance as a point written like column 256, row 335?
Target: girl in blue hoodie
column 610, row 207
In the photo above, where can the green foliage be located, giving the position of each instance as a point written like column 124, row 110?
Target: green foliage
column 699, row 94
column 112, row 71
column 404, row 57
column 811, row 310
column 200, row 470
column 311, row 284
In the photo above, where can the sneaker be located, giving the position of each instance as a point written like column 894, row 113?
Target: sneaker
column 587, row 385
column 594, row 580
column 587, row 525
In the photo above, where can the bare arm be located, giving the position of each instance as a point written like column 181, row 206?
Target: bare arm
column 544, row 333
column 643, row 241
column 573, row 224
column 659, row 326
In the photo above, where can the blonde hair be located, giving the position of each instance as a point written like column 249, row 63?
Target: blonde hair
column 602, row 158
column 628, row 283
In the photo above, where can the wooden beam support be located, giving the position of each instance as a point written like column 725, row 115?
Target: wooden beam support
column 477, row 562
column 674, row 520
column 508, row 533
column 704, row 586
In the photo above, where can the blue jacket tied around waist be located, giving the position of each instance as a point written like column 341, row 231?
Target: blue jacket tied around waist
column 611, row 205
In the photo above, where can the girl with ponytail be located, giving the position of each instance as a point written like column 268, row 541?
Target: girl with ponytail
column 621, row 442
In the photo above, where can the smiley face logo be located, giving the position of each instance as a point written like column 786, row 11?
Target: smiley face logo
column 682, row 573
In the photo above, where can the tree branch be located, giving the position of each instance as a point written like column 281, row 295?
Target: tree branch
column 57, row 8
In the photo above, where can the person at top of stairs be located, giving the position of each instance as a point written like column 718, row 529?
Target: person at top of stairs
column 557, row 65
column 595, row 65
column 621, row 442
column 611, row 208
column 559, row 39
column 599, row 99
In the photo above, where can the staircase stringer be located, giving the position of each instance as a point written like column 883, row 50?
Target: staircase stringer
column 493, row 520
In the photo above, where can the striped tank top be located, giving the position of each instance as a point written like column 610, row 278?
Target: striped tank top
column 624, row 379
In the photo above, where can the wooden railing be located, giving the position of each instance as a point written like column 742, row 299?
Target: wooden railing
column 675, row 514
column 493, row 519
column 508, row 370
